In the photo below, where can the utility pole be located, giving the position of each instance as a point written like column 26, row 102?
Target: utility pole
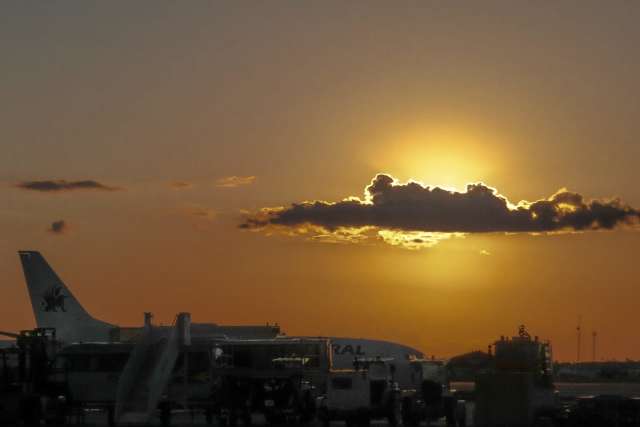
column 594, row 334
column 579, row 330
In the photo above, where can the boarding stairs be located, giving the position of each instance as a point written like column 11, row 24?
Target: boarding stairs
column 146, row 375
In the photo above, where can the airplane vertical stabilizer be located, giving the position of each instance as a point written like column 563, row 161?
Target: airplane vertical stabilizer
column 54, row 306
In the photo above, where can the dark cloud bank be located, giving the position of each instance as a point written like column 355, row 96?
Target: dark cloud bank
column 62, row 185
column 413, row 207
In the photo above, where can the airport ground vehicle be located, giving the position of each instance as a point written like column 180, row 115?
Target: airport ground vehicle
column 604, row 410
column 518, row 389
column 430, row 398
column 292, row 398
column 361, row 394
column 278, row 378
column 10, row 386
column 25, row 394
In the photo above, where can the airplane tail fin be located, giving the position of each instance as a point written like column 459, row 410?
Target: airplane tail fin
column 54, row 306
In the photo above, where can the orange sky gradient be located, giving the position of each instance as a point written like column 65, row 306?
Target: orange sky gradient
column 199, row 113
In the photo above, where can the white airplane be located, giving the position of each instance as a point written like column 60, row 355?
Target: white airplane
column 54, row 306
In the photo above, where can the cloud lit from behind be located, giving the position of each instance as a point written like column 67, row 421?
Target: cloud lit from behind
column 415, row 216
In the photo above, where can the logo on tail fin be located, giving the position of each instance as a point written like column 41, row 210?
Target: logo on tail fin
column 53, row 299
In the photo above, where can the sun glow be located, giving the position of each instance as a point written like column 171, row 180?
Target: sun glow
column 445, row 158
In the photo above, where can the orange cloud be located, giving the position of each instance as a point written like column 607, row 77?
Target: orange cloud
column 235, row 181
column 180, row 185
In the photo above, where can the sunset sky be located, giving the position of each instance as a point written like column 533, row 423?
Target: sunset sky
column 152, row 152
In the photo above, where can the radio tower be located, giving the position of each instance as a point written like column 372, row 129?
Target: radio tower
column 579, row 331
column 594, row 334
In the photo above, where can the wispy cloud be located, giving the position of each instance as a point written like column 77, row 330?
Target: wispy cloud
column 413, row 215
column 181, row 185
column 201, row 212
column 61, row 185
column 235, row 181
column 58, row 227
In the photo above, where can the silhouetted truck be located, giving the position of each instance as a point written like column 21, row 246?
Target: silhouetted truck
column 361, row 394
column 430, row 397
column 26, row 397
column 278, row 378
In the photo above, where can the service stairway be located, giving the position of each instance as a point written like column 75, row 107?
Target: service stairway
column 148, row 370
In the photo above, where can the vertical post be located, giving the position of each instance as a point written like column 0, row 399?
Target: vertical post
column 147, row 320
column 185, row 384
column 183, row 324
column 594, row 334
column 5, row 372
column 579, row 330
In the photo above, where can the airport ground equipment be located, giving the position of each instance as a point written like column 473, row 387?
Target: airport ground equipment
column 39, row 399
column 89, row 374
column 278, row 378
column 25, row 393
column 604, row 410
column 430, row 398
column 131, row 381
column 289, row 398
column 518, row 390
column 10, row 388
column 361, row 394
column 148, row 371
